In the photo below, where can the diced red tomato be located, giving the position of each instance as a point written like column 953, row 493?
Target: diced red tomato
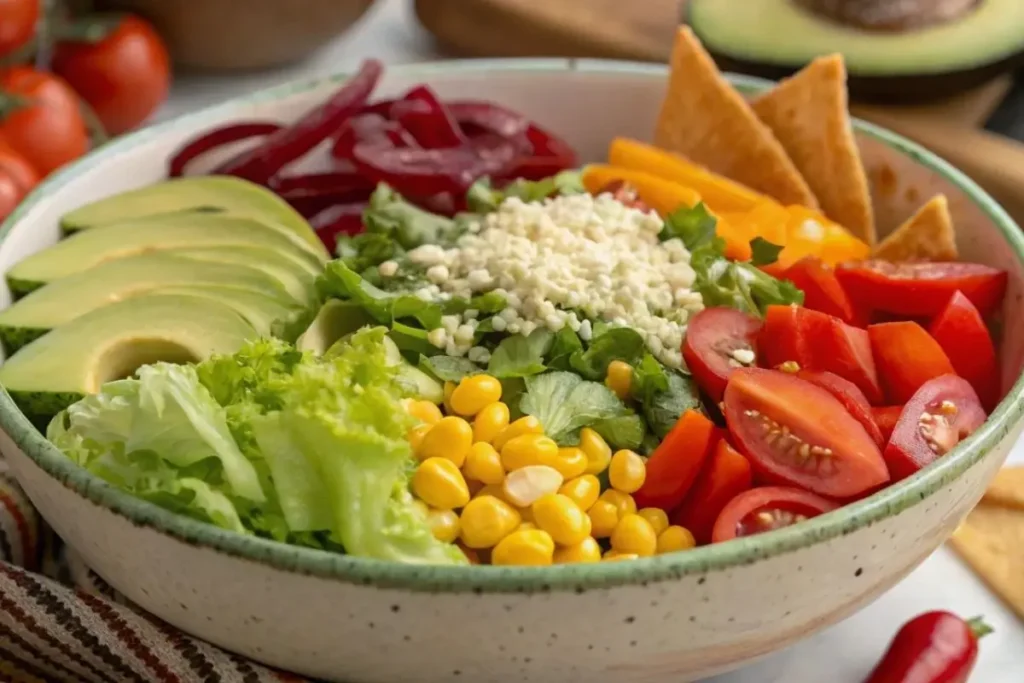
column 714, row 339
column 962, row 334
column 907, row 357
column 767, row 509
column 940, row 415
column 886, row 418
column 821, row 288
column 676, row 462
column 817, row 341
column 852, row 398
column 798, row 434
column 726, row 475
column 921, row 289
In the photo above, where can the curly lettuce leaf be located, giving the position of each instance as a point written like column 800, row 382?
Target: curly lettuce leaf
column 482, row 197
column 390, row 215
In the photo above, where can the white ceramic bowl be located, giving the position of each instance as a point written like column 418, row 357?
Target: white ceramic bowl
column 674, row 617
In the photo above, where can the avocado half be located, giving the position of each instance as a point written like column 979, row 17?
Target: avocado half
column 775, row 38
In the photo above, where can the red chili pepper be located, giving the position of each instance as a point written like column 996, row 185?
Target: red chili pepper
column 427, row 119
column 218, row 137
column 288, row 144
column 935, row 647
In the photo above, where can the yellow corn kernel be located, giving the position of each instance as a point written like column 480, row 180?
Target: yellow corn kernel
column 449, row 389
column 439, row 484
column 634, row 534
column 424, row 411
column 524, row 486
column 444, row 524
column 528, row 449
column 627, row 471
column 597, row 450
column 571, row 462
column 604, row 516
column 474, row 393
column 656, row 517
column 623, row 502
column 586, row 550
column 486, row 520
column 524, row 425
column 526, row 526
column 416, row 435
column 619, row 378
column 483, row 464
column 451, row 438
column 583, row 490
column 562, row 518
column 489, row 422
column 615, row 555
column 675, row 538
column 529, row 547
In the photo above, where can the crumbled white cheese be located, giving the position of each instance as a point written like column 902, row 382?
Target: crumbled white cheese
column 388, row 268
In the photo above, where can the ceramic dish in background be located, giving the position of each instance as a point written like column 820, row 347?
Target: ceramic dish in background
column 678, row 616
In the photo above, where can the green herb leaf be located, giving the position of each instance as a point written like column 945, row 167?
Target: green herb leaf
column 764, row 253
column 664, row 408
column 624, row 431
column 695, row 226
column 449, row 368
column 565, row 345
column 519, row 356
column 482, row 197
column 564, row 403
column 617, row 343
column 410, row 226
column 341, row 282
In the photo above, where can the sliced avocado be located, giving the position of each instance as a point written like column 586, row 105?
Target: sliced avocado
column 297, row 279
column 774, row 38
column 226, row 194
column 89, row 248
column 111, row 342
column 268, row 316
column 335, row 320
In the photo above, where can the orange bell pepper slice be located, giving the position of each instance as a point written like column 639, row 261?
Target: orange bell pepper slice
column 719, row 193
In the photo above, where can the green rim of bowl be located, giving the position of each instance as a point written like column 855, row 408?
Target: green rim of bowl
column 579, row 578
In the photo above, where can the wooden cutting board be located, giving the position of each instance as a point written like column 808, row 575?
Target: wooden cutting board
column 644, row 29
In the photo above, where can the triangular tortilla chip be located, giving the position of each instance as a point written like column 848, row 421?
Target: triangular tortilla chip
column 707, row 121
column 1007, row 489
column 991, row 541
column 927, row 236
column 809, row 114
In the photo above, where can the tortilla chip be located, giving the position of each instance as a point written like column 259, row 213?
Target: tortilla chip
column 809, row 114
column 707, row 121
column 991, row 541
column 1007, row 489
column 927, row 236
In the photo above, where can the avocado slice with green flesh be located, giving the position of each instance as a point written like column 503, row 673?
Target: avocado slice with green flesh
column 259, row 297
column 111, row 342
column 269, row 317
column 757, row 37
column 89, row 248
column 226, row 194
column 299, row 280
column 335, row 320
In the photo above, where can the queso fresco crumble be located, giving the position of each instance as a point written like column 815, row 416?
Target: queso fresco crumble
column 561, row 262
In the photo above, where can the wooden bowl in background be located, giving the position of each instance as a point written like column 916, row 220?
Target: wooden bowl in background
column 244, row 34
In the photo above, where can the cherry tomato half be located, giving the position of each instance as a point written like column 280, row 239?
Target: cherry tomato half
column 726, row 475
column 676, row 462
column 906, row 357
column 821, row 288
column 852, row 398
column 40, row 118
column 17, row 178
column 767, row 509
column 942, row 413
column 921, row 289
column 886, row 418
column 719, row 340
column 18, row 19
column 798, row 434
column 961, row 332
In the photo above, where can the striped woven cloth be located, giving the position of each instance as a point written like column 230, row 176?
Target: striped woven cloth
column 59, row 621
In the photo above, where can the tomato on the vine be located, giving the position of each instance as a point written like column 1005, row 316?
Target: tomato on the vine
column 18, row 19
column 40, row 118
column 124, row 76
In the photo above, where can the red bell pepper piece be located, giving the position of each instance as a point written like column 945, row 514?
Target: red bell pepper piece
column 962, row 334
column 676, row 462
column 726, row 475
column 907, row 357
column 821, row 288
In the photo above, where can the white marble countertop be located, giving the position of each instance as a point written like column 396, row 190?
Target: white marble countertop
column 842, row 654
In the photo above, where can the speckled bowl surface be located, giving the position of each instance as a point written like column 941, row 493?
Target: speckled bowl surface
column 676, row 617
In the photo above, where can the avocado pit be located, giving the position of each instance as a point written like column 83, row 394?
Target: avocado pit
column 890, row 15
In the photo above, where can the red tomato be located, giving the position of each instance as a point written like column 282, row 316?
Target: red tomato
column 18, row 20
column 961, row 332
column 821, row 288
column 17, row 178
column 767, row 509
column 676, row 462
column 124, row 77
column 782, row 338
column 907, row 357
column 886, row 418
column 726, row 475
column 921, row 289
column 44, row 123
column 940, row 415
column 798, row 434
column 852, row 398
column 713, row 336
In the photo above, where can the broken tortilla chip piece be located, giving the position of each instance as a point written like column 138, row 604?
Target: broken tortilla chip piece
column 991, row 541
column 809, row 115
column 927, row 236
column 1007, row 489
column 707, row 121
